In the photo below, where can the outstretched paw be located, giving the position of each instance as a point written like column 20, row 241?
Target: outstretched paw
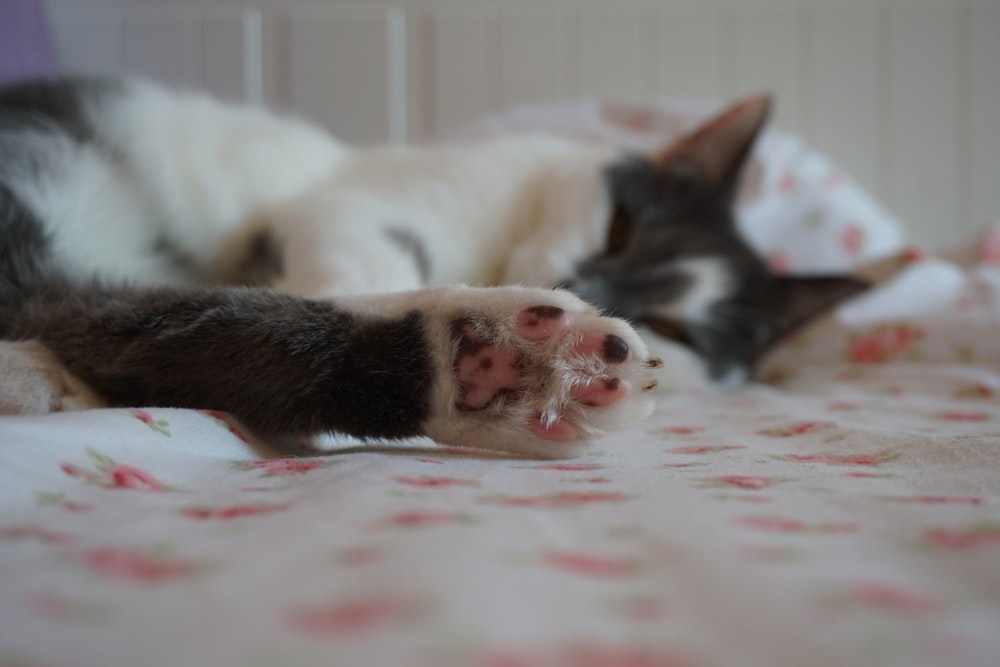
column 538, row 372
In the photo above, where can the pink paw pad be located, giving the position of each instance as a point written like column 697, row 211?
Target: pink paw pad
column 485, row 372
column 608, row 347
column 494, row 365
column 601, row 391
column 559, row 430
column 542, row 322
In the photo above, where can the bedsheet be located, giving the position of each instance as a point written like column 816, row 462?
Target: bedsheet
column 846, row 513
column 848, row 516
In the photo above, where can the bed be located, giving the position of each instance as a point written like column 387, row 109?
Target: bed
column 844, row 512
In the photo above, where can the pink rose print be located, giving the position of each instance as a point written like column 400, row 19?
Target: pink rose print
column 581, row 656
column 991, row 248
column 852, row 239
column 28, row 532
column 742, row 482
column 787, row 183
column 222, row 420
column 127, row 477
column 112, row 475
column 798, row 428
column 159, row 425
column 353, row 617
column 424, row 518
column 883, row 343
column 570, row 467
column 435, row 482
column 961, row 539
column 861, row 474
column 963, row 416
column 779, row 262
column 772, row 524
column 891, row 599
column 233, row 511
column 136, row 566
column 703, row 449
column 588, row 565
column 683, row 430
column 912, row 255
column 976, row 390
column 284, row 467
column 557, row 500
column 842, row 459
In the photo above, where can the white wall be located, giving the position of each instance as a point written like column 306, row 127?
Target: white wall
column 904, row 93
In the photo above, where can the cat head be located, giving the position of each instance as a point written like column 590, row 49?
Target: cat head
column 674, row 262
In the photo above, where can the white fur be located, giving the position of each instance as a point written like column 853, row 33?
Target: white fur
column 490, row 209
column 710, row 281
column 194, row 171
column 202, row 175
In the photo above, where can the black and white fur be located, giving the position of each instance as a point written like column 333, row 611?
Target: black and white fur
column 162, row 248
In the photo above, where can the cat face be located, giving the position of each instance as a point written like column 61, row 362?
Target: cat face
column 674, row 261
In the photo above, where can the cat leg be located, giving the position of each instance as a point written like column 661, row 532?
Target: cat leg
column 36, row 382
column 529, row 371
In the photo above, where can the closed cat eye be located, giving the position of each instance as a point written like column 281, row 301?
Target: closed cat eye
column 618, row 231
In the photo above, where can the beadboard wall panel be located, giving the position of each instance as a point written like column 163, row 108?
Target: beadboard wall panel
column 905, row 94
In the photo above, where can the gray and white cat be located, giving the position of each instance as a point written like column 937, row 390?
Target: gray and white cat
column 163, row 248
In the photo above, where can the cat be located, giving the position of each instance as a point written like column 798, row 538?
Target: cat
column 164, row 248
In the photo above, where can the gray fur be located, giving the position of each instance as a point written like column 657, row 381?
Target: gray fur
column 283, row 365
column 413, row 245
column 681, row 208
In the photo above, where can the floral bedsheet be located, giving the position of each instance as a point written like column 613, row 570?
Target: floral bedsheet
column 848, row 514
column 845, row 514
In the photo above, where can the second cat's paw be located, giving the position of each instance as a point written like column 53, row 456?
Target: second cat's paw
column 33, row 381
column 535, row 371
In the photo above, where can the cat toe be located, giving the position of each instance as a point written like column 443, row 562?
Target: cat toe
column 554, row 430
column 607, row 347
column 542, row 322
column 600, row 392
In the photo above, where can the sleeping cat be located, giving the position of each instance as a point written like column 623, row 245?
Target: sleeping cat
column 163, row 248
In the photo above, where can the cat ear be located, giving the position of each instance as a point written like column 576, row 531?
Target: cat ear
column 716, row 150
column 795, row 301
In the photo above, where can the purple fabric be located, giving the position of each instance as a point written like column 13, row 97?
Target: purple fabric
column 25, row 44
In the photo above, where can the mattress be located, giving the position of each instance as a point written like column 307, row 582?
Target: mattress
column 845, row 511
